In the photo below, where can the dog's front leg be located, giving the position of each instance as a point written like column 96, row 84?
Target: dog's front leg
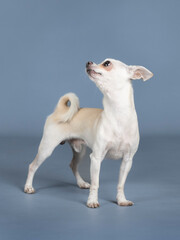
column 94, row 173
column 124, row 170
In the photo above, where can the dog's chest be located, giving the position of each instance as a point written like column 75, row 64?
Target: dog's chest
column 120, row 145
column 122, row 135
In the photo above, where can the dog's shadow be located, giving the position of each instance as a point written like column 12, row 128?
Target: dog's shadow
column 15, row 177
column 56, row 186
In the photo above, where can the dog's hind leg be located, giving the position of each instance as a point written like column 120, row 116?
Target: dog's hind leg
column 79, row 150
column 51, row 138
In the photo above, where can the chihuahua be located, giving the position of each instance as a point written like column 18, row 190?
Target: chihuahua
column 110, row 132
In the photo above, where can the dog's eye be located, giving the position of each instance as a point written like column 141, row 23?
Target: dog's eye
column 106, row 64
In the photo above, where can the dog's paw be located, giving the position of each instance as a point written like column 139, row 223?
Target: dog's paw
column 29, row 189
column 92, row 204
column 84, row 185
column 125, row 203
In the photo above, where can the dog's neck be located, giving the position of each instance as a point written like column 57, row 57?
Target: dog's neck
column 119, row 101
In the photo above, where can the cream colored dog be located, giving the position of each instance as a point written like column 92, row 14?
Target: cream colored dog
column 111, row 132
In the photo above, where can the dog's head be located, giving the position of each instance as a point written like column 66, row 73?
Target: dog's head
column 111, row 75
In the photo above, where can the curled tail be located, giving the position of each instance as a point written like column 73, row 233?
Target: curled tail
column 67, row 106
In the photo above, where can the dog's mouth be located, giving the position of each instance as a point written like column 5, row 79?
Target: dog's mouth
column 92, row 73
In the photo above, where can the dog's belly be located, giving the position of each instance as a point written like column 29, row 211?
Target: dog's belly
column 117, row 149
column 115, row 153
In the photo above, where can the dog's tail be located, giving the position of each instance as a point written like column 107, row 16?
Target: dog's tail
column 67, row 106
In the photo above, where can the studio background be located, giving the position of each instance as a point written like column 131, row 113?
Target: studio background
column 44, row 46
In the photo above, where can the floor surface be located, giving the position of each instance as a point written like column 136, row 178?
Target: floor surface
column 58, row 208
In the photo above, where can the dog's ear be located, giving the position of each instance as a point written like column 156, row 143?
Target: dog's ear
column 138, row 72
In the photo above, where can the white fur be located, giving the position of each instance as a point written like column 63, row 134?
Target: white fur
column 111, row 132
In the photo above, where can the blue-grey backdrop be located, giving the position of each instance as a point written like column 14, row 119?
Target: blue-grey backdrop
column 45, row 44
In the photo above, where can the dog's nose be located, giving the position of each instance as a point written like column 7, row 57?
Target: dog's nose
column 89, row 64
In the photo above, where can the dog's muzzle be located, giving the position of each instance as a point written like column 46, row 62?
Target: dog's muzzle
column 91, row 71
column 88, row 64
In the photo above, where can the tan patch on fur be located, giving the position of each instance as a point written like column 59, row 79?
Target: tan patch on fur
column 108, row 68
column 64, row 113
column 61, row 109
column 82, row 121
column 85, row 117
